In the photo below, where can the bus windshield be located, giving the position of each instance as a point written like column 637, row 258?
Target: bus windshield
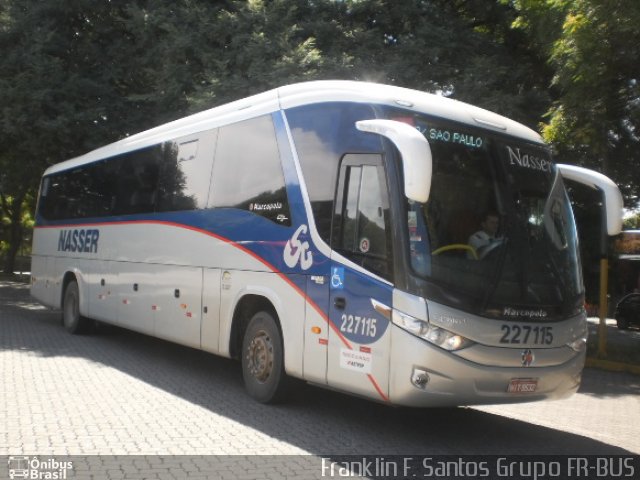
column 497, row 237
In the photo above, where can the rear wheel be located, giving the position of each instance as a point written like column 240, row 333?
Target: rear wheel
column 73, row 322
column 263, row 359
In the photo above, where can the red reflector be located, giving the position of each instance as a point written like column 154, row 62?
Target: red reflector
column 365, row 349
column 323, row 341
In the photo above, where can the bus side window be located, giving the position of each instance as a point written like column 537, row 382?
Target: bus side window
column 247, row 172
column 186, row 172
column 322, row 133
column 361, row 224
column 136, row 190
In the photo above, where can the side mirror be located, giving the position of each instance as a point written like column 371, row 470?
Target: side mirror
column 415, row 151
column 611, row 193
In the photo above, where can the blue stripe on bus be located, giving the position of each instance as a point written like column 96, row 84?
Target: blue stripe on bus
column 263, row 237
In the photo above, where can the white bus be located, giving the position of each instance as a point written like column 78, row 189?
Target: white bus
column 321, row 231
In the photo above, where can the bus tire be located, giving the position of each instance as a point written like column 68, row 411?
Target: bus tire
column 263, row 359
column 73, row 322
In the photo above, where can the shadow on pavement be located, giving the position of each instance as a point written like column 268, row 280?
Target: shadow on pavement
column 318, row 421
column 612, row 384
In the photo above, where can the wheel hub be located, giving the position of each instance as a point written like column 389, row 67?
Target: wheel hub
column 260, row 357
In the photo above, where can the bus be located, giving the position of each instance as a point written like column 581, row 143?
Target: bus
column 321, row 231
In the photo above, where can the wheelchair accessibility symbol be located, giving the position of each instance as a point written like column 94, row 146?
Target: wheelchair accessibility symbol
column 337, row 278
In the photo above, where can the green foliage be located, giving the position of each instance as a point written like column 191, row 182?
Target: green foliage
column 632, row 222
column 254, row 46
column 592, row 46
column 78, row 74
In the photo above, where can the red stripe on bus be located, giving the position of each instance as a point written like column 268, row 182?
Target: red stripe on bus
column 377, row 387
column 248, row 252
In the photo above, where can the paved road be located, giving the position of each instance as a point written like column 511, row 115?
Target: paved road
column 626, row 339
column 120, row 393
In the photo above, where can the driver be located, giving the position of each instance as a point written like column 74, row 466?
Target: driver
column 487, row 235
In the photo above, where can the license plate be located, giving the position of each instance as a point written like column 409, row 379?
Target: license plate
column 523, row 385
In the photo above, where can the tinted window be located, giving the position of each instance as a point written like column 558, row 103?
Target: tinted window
column 136, row 184
column 186, row 173
column 362, row 229
column 79, row 193
column 170, row 176
column 247, row 173
column 322, row 134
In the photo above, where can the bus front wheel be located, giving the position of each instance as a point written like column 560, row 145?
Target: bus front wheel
column 73, row 322
column 263, row 359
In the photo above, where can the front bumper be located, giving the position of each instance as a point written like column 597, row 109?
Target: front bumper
column 453, row 380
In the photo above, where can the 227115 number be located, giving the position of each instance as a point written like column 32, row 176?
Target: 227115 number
column 359, row 325
column 526, row 334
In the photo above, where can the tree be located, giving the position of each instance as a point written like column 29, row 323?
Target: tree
column 461, row 49
column 41, row 91
column 632, row 222
column 592, row 46
column 77, row 75
column 252, row 46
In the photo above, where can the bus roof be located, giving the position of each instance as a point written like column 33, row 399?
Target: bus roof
column 302, row 94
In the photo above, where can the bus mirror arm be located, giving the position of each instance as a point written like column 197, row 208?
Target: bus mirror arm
column 611, row 194
column 415, row 151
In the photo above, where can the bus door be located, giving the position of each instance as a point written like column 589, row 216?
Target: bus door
column 359, row 338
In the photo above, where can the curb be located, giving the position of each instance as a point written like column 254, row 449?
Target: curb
column 612, row 366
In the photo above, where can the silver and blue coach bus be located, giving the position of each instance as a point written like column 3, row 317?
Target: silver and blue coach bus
column 322, row 231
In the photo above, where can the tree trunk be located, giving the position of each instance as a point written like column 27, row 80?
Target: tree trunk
column 16, row 231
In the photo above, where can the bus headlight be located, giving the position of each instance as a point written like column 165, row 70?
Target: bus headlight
column 435, row 335
column 578, row 345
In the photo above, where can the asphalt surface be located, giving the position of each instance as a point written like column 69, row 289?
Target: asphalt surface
column 616, row 338
column 121, row 393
